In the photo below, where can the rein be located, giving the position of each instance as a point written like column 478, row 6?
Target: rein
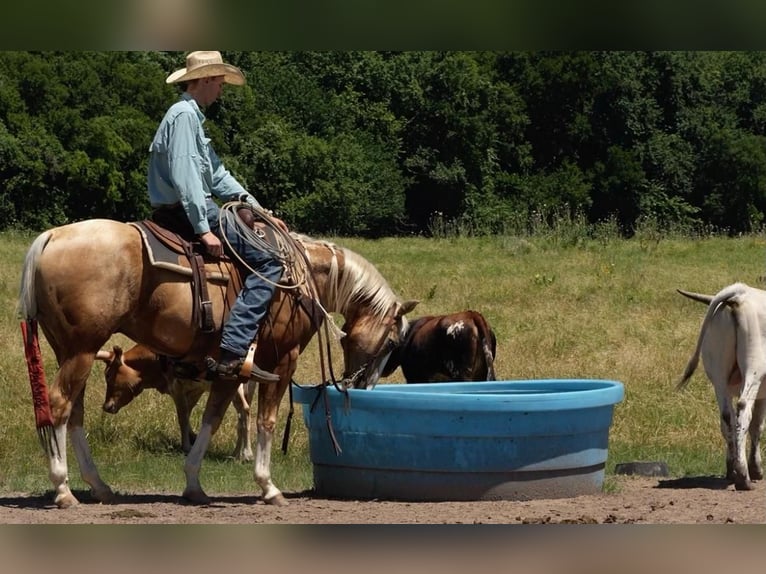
column 325, row 353
column 306, row 293
column 385, row 346
column 302, row 284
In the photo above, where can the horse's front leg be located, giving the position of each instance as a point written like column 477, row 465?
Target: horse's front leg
column 98, row 488
column 269, row 397
column 221, row 395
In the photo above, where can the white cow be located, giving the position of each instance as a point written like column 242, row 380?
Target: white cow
column 732, row 341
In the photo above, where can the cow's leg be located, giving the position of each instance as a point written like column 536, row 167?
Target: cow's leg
column 243, row 451
column 269, row 397
column 247, row 429
column 183, row 414
column 744, row 409
column 186, row 395
column 741, row 429
column 221, row 394
column 724, row 400
column 724, row 370
column 754, row 464
column 88, row 470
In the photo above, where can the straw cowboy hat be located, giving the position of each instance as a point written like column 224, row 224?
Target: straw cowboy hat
column 205, row 65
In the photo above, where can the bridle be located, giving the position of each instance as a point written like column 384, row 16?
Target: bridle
column 384, row 346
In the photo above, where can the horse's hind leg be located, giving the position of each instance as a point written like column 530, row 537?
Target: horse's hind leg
column 99, row 489
column 67, row 410
column 221, row 394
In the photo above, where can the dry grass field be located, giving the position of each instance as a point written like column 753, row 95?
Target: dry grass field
column 563, row 305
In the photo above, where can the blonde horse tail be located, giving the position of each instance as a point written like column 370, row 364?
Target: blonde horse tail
column 27, row 306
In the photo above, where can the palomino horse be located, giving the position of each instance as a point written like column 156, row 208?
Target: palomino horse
column 85, row 281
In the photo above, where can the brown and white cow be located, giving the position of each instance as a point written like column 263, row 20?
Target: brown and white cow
column 128, row 373
column 732, row 342
column 440, row 348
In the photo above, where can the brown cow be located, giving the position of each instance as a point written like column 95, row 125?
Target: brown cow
column 128, row 373
column 441, row 348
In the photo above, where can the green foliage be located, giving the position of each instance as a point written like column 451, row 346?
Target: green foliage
column 394, row 143
column 732, row 180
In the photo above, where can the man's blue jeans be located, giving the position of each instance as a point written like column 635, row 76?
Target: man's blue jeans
column 253, row 301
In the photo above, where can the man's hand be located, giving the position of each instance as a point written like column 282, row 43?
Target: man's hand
column 281, row 224
column 212, row 244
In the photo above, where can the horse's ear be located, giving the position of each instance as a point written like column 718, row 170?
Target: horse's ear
column 118, row 354
column 406, row 307
column 105, row 356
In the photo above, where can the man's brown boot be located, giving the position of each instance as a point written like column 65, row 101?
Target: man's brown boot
column 230, row 365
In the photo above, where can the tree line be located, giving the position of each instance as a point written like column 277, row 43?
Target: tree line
column 384, row 143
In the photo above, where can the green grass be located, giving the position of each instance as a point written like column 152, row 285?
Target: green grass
column 564, row 303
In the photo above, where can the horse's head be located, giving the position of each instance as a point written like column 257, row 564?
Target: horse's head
column 369, row 340
column 375, row 321
column 127, row 374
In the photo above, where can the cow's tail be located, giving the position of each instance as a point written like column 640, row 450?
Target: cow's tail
column 706, row 299
column 488, row 346
column 723, row 297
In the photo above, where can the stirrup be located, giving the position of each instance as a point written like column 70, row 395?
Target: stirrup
column 262, row 376
column 250, row 370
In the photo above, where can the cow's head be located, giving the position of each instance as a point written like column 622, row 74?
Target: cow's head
column 126, row 375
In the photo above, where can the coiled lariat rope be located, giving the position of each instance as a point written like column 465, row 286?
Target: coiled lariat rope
column 288, row 251
column 283, row 251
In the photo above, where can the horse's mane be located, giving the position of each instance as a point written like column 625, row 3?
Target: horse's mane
column 360, row 281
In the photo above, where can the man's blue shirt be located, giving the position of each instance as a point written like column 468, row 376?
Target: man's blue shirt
column 183, row 167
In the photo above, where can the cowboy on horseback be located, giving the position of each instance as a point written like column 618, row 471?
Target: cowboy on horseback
column 184, row 175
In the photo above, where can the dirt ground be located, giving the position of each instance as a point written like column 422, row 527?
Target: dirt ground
column 633, row 500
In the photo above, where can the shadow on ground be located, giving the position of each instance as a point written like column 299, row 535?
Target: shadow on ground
column 709, row 482
column 44, row 501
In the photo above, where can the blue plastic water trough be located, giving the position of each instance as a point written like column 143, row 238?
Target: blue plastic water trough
column 509, row 440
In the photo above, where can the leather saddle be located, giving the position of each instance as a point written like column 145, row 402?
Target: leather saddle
column 170, row 250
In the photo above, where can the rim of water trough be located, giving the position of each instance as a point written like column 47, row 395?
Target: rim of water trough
column 507, row 396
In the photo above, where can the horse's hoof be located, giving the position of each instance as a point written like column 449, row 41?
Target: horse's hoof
column 744, row 485
column 196, row 497
column 67, row 500
column 105, row 496
column 277, row 500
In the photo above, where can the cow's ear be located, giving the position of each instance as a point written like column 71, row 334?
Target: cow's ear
column 118, row 354
column 406, row 307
